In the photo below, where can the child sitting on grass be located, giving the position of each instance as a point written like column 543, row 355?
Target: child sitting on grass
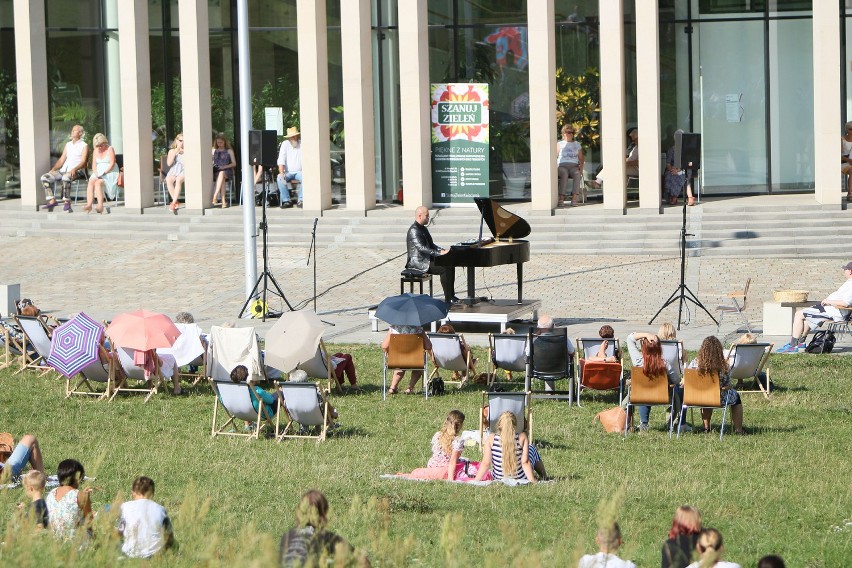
column 608, row 539
column 36, row 511
column 446, row 461
column 67, row 506
column 509, row 454
column 143, row 524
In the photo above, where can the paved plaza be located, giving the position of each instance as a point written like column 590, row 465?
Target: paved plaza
column 105, row 278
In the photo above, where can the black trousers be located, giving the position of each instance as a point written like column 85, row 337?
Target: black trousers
column 448, row 279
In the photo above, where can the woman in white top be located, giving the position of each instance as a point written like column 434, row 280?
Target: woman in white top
column 175, row 177
column 570, row 161
column 104, row 173
column 710, row 548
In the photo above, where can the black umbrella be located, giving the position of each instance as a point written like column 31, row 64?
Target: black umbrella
column 412, row 309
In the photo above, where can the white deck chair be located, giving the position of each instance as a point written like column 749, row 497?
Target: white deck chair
column 746, row 362
column 496, row 403
column 147, row 385
column 236, row 401
column 95, row 372
column 673, row 354
column 509, row 352
column 320, row 367
column 307, row 407
column 36, row 337
column 589, row 346
column 12, row 347
column 187, row 349
column 447, row 353
column 232, row 346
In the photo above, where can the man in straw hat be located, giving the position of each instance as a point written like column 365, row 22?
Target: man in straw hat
column 290, row 165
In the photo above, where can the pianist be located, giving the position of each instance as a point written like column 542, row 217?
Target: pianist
column 422, row 251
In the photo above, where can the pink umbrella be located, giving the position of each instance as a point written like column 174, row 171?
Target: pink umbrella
column 142, row 330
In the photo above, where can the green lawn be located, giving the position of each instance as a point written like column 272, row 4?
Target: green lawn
column 783, row 489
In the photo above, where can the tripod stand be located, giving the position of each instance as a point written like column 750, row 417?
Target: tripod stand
column 265, row 276
column 682, row 293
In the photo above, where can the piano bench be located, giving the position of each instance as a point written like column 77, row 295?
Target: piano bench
column 410, row 277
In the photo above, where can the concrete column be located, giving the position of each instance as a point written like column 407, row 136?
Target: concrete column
column 136, row 106
column 358, row 105
column 542, row 88
column 415, row 105
column 827, row 117
column 195, row 93
column 613, row 137
column 648, row 91
column 313, row 103
column 33, row 123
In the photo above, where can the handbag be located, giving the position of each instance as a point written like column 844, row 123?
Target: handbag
column 822, row 342
column 612, row 419
column 120, row 180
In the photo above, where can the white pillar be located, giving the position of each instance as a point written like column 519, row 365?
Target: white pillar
column 358, row 105
column 313, row 103
column 648, row 91
column 136, row 106
column 827, row 117
column 613, row 137
column 414, row 104
column 33, row 124
column 195, row 102
column 542, row 88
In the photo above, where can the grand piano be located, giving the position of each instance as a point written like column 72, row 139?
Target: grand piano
column 505, row 247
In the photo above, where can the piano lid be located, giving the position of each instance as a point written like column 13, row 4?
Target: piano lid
column 502, row 223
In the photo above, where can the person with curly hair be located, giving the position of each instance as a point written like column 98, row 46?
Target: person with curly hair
column 711, row 360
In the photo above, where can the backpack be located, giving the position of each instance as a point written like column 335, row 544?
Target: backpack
column 822, row 342
column 436, row 386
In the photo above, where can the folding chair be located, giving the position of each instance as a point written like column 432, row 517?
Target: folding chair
column 549, row 361
column 307, row 408
column 507, row 351
column 589, row 346
column 236, row 400
column 701, row 390
column 149, row 384
column 12, row 341
column 94, row 373
column 37, row 337
column 320, row 367
column 598, row 375
column 747, row 362
column 187, row 350
column 496, row 403
column 673, row 354
column 735, row 307
column 405, row 353
column 448, row 354
column 231, row 346
column 648, row 391
column 163, row 171
column 841, row 327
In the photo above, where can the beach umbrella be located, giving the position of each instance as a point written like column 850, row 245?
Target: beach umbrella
column 142, row 330
column 411, row 309
column 74, row 345
column 293, row 340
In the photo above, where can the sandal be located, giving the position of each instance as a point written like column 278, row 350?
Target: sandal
column 393, row 391
column 690, row 201
column 408, row 391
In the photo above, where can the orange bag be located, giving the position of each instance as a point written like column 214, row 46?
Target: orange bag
column 7, row 446
column 613, row 419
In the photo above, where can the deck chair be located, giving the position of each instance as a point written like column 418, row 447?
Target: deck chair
column 647, row 391
column 747, row 361
column 447, row 353
column 702, row 391
column 737, row 306
column 673, row 354
column 496, row 403
column 35, row 347
column 95, row 372
column 405, row 352
column 598, row 375
column 236, row 402
column 320, row 367
column 549, row 361
column 13, row 347
column 589, row 346
column 841, row 327
column 148, row 386
column 509, row 352
column 187, row 350
column 231, row 346
column 307, row 408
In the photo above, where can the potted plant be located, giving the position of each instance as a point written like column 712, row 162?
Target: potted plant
column 578, row 103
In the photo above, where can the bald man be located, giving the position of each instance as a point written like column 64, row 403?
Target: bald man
column 422, row 251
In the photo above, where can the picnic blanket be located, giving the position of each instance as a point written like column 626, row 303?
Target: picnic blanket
column 507, row 482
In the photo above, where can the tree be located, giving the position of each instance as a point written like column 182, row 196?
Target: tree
column 578, row 103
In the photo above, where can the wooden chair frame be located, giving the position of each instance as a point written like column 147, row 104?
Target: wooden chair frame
column 260, row 417
column 494, row 356
column 646, row 391
column 437, row 364
column 323, row 405
column 702, row 390
column 405, row 353
column 752, row 373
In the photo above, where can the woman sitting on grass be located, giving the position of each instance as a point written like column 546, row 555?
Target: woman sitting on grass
column 67, row 506
column 683, row 536
column 711, row 360
column 710, row 548
column 509, row 454
column 446, row 461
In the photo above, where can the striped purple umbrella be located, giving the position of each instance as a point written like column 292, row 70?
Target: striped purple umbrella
column 74, row 345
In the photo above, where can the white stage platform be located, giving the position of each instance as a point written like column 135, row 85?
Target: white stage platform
column 495, row 312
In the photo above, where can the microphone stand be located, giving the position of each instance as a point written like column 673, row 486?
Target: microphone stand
column 265, row 276
column 682, row 293
column 313, row 248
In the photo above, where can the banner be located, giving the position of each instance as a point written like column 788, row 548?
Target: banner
column 460, row 142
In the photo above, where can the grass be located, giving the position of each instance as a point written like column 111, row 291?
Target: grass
column 782, row 489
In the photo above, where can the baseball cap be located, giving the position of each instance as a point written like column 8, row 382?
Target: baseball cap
column 847, row 266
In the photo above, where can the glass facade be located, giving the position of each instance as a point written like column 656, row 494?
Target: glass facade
column 9, row 178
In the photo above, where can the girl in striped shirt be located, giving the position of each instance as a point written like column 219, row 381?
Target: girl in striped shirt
column 509, row 454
